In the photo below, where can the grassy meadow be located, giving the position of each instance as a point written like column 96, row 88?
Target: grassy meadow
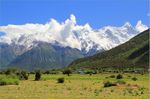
column 78, row 86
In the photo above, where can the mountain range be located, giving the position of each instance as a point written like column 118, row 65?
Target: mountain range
column 132, row 54
column 55, row 44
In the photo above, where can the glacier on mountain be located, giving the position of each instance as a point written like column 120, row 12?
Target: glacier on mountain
column 69, row 33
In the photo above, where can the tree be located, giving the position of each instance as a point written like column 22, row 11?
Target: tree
column 119, row 76
column 23, row 75
column 37, row 75
column 67, row 71
column 10, row 71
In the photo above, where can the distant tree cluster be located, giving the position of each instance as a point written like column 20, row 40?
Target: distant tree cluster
column 67, row 71
column 22, row 75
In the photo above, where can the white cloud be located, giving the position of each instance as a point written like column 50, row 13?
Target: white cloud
column 70, row 34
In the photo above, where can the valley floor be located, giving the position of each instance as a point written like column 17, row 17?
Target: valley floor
column 78, row 86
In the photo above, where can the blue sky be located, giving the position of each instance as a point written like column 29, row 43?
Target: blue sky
column 97, row 13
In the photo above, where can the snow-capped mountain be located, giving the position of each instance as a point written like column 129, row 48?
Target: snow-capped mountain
column 55, row 44
column 68, row 33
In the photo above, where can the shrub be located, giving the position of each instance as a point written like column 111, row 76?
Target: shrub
column 47, row 72
column 109, row 84
column 90, row 72
column 10, row 71
column 32, row 72
column 53, row 71
column 141, row 89
column 9, row 81
column 119, row 76
column 60, row 80
column 134, row 78
column 112, row 76
column 37, row 75
column 23, row 75
column 67, row 71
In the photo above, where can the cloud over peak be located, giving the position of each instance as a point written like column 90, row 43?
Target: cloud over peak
column 68, row 33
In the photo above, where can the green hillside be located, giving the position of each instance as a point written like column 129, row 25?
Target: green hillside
column 132, row 54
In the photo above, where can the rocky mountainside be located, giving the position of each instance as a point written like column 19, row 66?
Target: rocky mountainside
column 57, row 44
column 132, row 54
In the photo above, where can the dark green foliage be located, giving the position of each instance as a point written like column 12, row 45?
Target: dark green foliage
column 23, row 75
column 53, row 71
column 132, row 54
column 139, row 51
column 7, row 72
column 90, row 72
column 67, row 71
column 109, row 84
column 31, row 72
column 141, row 89
column 47, row 72
column 60, row 80
column 37, row 75
column 134, row 79
column 112, row 76
column 119, row 76
column 10, row 71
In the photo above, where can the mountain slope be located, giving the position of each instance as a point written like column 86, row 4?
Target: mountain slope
column 46, row 56
column 8, row 53
column 133, row 53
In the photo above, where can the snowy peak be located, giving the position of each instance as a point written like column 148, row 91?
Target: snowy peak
column 69, row 33
column 140, row 27
column 127, row 25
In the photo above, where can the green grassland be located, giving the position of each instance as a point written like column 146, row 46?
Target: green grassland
column 78, row 86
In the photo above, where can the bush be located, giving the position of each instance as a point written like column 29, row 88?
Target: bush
column 47, row 72
column 109, row 84
column 23, row 75
column 67, row 71
column 112, row 76
column 60, row 80
column 119, row 76
column 90, row 72
column 51, row 72
column 10, row 71
column 32, row 72
column 9, row 81
column 134, row 78
column 37, row 75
